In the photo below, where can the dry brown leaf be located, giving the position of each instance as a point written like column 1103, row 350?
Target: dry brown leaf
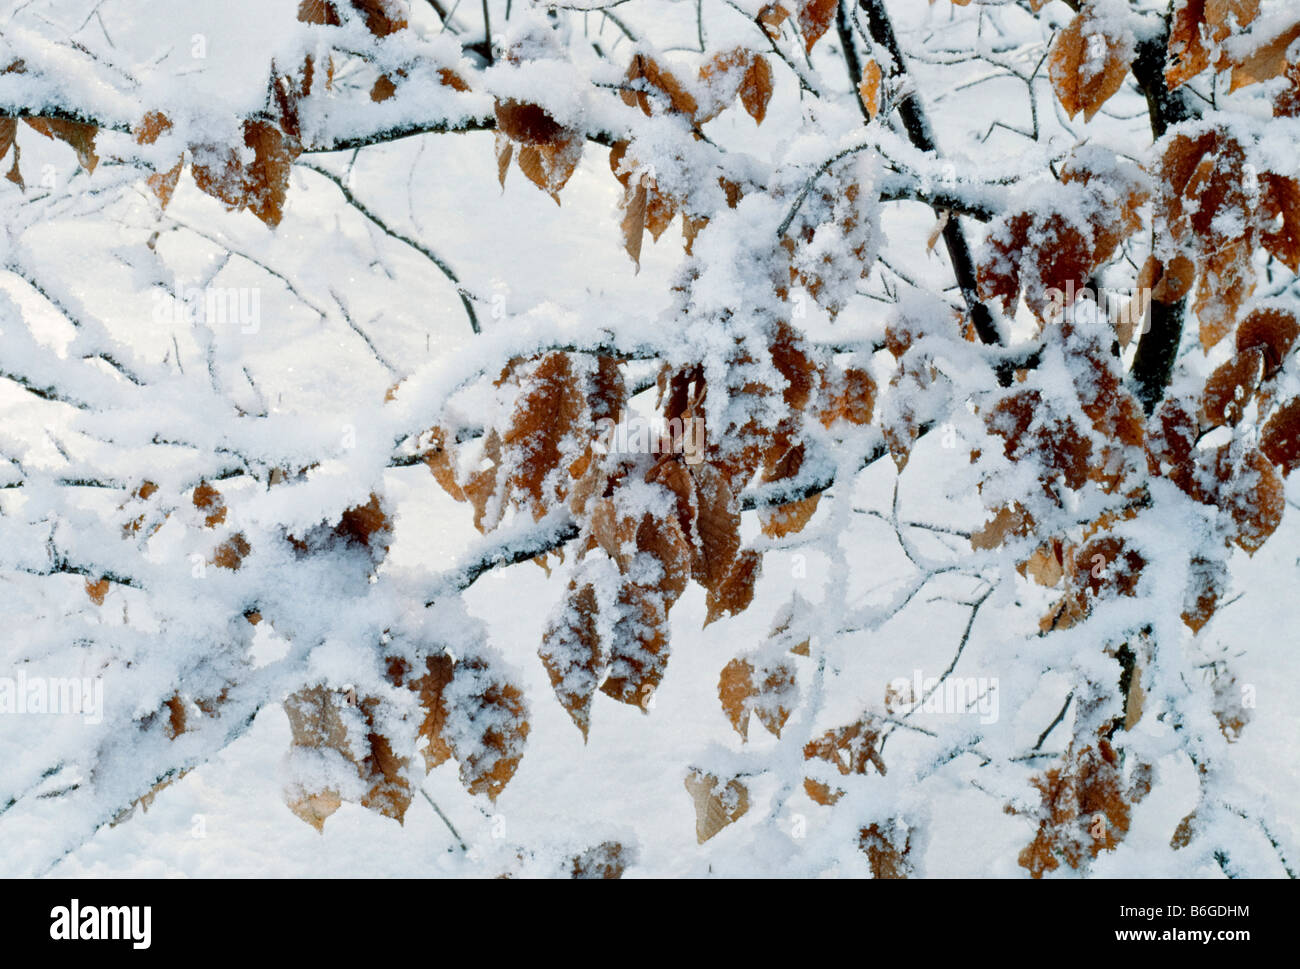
column 1205, row 586
column 1230, row 387
column 318, row 12
column 496, row 709
column 659, row 79
column 1088, row 64
column 607, row 860
column 634, row 217
column 260, row 186
column 80, row 137
column 717, row 527
column 716, row 804
column 573, row 654
column 1280, row 200
column 936, row 233
column 851, row 749
column 771, row 17
column 1007, row 521
column 887, row 848
column 869, row 88
column 208, row 499
column 1084, row 810
column 764, row 692
column 230, row 553
column 1280, row 440
column 850, row 395
column 429, row 687
column 756, row 88
column 815, row 18
column 1268, row 60
column 638, row 653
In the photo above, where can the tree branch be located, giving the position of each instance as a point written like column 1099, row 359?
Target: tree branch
column 1153, row 364
column 921, row 135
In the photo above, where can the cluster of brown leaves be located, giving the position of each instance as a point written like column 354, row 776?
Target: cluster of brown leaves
column 492, row 718
column 544, row 453
column 657, row 522
column 813, row 16
column 337, row 722
column 850, row 749
column 1045, row 247
column 738, row 74
column 323, row 719
column 1085, row 809
column 1118, row 450
column 761, row 683
column 230, row 553
column 1212, row 211
column 548, row 152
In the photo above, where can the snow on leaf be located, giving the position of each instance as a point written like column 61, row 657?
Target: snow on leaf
column 771, row 17
column 607, row 860
column 716, row 804
column 80, row 137
column 335, row 723
column 1229, row 707
column 815, row 18
column 97, row 590
column 260, row 186
column 318, row 12
column 650, row 85
column 382, row 17
column 1205, row 587
column 486, row 725
column 762, row 684
column 548, row 152
column 535, row 444
column 1281, row 202
column 430, row 688
column 1083, row 810
column 573, row 654
column 849, row 394
column 638, row 650
column 1266, row 61
column 1088, row 63
column 887, row 847
column 1007, row 521
column 787, row 519
column 851, row 749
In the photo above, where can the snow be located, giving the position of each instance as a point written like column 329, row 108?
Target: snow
column 882, row 581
